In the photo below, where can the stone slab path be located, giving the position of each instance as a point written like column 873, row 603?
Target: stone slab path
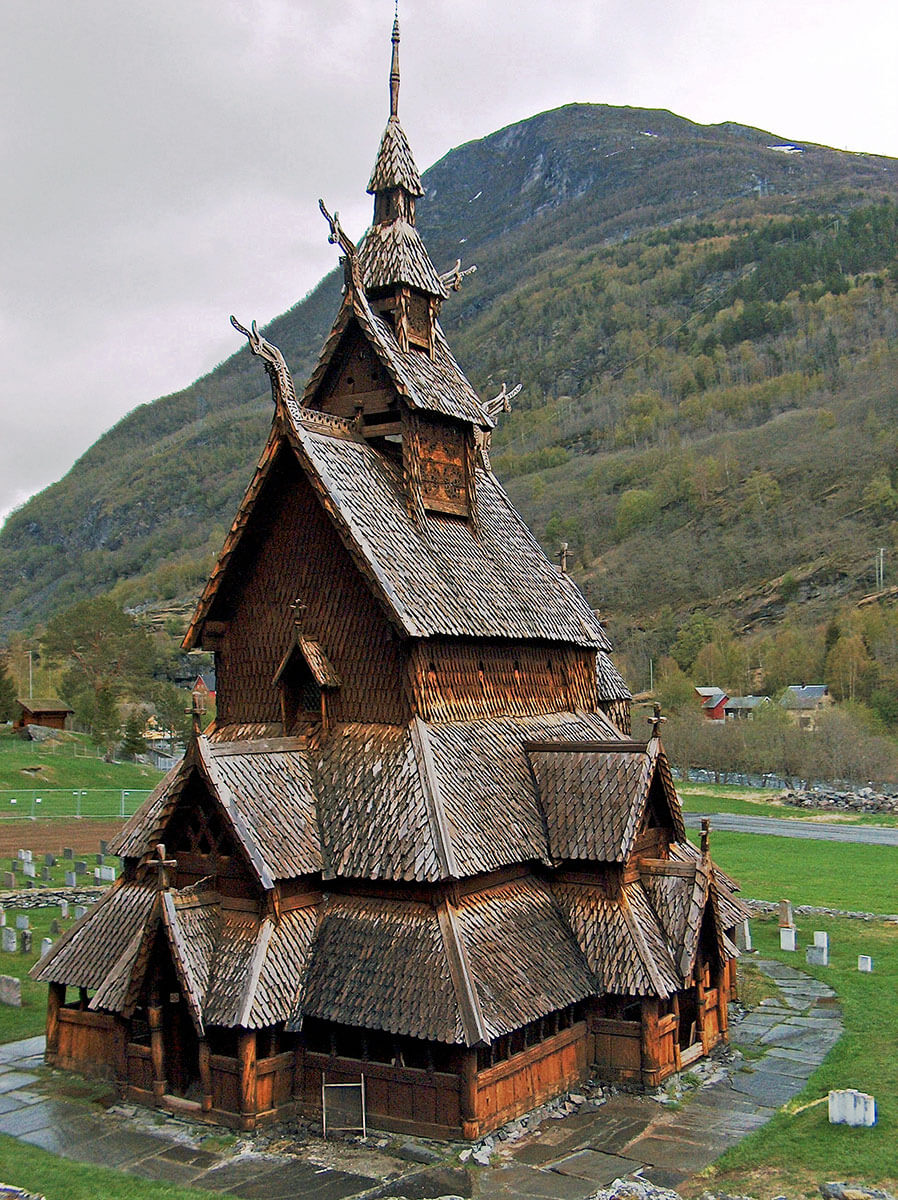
column 562, row 1159
column 796, row 827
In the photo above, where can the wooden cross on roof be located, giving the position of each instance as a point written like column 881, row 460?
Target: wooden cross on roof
column 298, row 608
column 162, row 865
column 656, row 720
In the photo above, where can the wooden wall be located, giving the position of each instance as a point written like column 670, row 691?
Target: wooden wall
column 463, row 680
column 291, row 550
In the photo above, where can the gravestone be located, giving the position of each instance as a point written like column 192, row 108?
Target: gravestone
column 817, row 956
column 2, row 916
column 821, row 939
column 97, row 874
column 743, row 935
column 100, row 858
column 55, row 928
column 22, row 922
column 9, row 879
column 20, row 854
column 8, row 939
column 11, row 991
column 45, row 874
column 80, row 867
column 64, row 908
column 787, row 938
column 26, row 942
column 68, row 853
column 27, row 856
column 80, row 910
column 107, row 874
column 14, row 865
column 46, row 944
column 71, row 879
column 850, row 1107
column 864, row 963
column 50, row 860
column 104, row 846
column 28, row 870
column 787, row 920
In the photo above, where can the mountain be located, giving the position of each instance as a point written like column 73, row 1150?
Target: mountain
column 703, row 318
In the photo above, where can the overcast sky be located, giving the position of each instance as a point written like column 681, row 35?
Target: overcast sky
column 161, row 160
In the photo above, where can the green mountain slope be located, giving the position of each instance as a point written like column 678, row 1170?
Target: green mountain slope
column 703, row 319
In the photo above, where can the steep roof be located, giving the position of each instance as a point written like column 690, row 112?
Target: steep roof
column 395, row 164
column 394, row 253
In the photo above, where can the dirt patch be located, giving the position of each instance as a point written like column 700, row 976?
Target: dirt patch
column 765, row 1181
column 52, row 836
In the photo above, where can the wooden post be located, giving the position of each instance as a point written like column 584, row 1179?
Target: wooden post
column 723, row 995
column 205, row 1073
column 678, row 1060
column 651, row 1048
column 246, row 1058
column 157, row 1051
column 701, row 978
column 470, row 1124
column 55, row 1001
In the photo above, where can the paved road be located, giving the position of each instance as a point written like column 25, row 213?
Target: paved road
column 870, row 835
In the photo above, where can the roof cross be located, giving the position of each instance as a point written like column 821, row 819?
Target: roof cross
column 656, row 720
column 298, row 608
column 163, row 865
column 196, row 713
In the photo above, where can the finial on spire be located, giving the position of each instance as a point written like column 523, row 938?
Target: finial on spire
column 394, row 66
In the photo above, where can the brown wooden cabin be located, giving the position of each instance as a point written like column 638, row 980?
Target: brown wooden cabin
column 418, row 841
column 51, row 713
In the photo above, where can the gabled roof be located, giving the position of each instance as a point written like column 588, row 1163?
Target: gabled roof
column 804, row 695
column 51, row 705
column 711, row 696
column 313, row 655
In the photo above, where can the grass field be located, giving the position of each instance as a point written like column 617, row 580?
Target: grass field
column 28, row 1021
column 829, row 874
column 798, row 1150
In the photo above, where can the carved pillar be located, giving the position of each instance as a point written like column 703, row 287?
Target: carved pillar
column 157, row 1051
column 701, row 979
column 205, row 1073
column 470, row 1123
column 678, row 1061
column 651, row 1044
column 246, row 1059
column 55, row 1001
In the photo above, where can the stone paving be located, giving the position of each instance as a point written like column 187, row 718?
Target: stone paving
column 561, row 1159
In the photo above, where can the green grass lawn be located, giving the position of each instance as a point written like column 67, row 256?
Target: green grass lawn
column 829, row 874
column 797, row 1151
column 61, row 1179
column 28, row 1021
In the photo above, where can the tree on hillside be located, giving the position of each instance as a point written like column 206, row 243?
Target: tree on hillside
column 106, row 653
column 133, row 742
column 8, row 706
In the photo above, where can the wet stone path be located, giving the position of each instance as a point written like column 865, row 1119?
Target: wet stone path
column 561, row 1159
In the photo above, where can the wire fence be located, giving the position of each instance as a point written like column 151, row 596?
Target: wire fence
column 90, row 803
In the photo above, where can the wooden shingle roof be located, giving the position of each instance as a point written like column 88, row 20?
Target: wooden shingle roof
column 395, row 164
column 393, row 253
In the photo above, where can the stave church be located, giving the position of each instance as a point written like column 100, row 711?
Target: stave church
column 419, row 843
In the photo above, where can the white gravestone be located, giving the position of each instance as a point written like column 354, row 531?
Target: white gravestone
column 817, row 956
column 8, row 939
column 787, row 938
column 46, row 943
column 850, row 1107
column 864, row 963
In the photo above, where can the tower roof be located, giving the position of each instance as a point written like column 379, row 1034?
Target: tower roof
column 395, row 166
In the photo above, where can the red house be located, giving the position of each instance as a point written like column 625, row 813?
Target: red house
column 713, row 702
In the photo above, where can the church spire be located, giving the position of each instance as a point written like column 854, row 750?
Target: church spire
column 394, row 68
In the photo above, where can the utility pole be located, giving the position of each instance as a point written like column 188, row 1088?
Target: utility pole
column 30, row 676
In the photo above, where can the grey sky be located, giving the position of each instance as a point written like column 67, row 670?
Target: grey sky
column 161, row 162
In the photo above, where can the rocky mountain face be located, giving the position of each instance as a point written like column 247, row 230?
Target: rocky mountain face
column 616, row 253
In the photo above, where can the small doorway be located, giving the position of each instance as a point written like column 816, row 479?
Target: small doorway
column 689, row 1033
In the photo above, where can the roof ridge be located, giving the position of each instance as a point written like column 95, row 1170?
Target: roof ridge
column 260, row 953
column 206, row 762
column 467, row 998
column 642, row 949
column 182, row 965
column 433, row 799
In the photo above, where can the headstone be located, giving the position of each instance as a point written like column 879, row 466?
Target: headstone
column 71, row 879
column 46, row 944
column 107, row 874
column 64, row 905
column 21, row 855
column 787, row 938
column 104, row 846
column 80, row 867
column 743, row 935
column 80, row 910
column 68, row 853
column 22, row 922
column 100, row 858
column 850, row 1107
column 97, row 874
column 50, row 860
column 14, row 865
column 29, row 883
column 2, row 916
column 786, row 917
column 864, row 963
column 821, row 938
column 27, row 856
column 26, row 942
column 9, row 879
column 45, row 874
column 11, row 991
column 55, row 928
column 29, row 870
column 8, row 939
column 817, row 956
